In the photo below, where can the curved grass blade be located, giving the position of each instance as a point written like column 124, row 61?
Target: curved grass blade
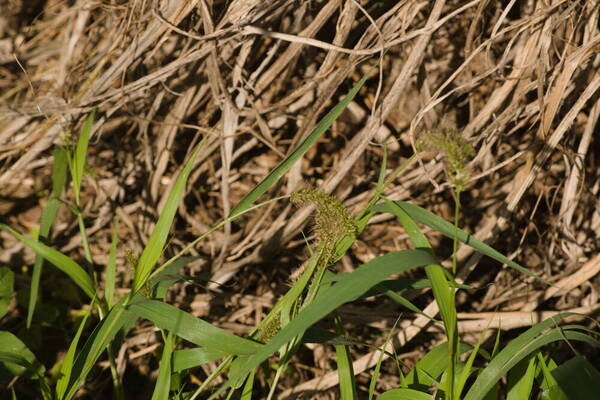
column 17, row 358
column 59, row 260
column 349, row 288
column 287, row 163
column 59, row 177
column 425, row 217
column 158, row 238
column 103, row 334
column 192, row 329
column 521, row 347
column 67, row 364
column 163, row 382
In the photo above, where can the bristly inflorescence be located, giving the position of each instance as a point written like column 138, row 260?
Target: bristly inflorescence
column 456, row 150
column 332, row 220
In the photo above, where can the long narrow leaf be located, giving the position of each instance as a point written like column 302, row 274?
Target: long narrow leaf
column 347, row 289
column 59, row 177
column 67, row 364
column 17, row 358
column 159, row 235
column 521, row 347
column 103, row 334
column 287, row 163
column 59, row 260
column 78, row 166
column 344, row 367
column 163, row 382
column 425, row 217
column 192, row 329
column 111, row 266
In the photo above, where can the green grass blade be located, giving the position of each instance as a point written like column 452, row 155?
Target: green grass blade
column 429, row 368
column 247, row 389
column 78, row 166
column 439, row 224
column 163, row 382
column 59, row 260
column 192, row 329
column 521, row 347
column 344, row 367
column 67, row 364
column 375, row 375
column 103, row 334
column 578, row 379
column 159, row 235
column 404, row 394
column 17, row 358
column 111, row 266
column 467, row 370
column 549, row 386
column 350, row 287
column 443, row 292
column 59, row 177
column 7, row 283
column 520, row 379
column 190, row 358
column 287, row 163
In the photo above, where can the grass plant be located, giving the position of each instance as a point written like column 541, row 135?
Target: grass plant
column 453, row 370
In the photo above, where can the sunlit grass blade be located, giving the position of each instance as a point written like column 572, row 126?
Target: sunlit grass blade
column 98, row 341
column 347, row 289
column 247, row 389
column 520, row 379
column 163, row 382
column 111, row 266
column 578, row 378
column 7, row 283
column 190, row 358
column 467, row 370
column 67, row 364
column 78, row 162
column 159, row 235
column 520, row 348
column 439, row 224
column 375, row 375
column 59, row 176
column 430, row 367
column 442, row 290
column 192, row 329
column 405, row 394
column 344, row 366
column 549, row 386
column 287, row 163
column 59, row 260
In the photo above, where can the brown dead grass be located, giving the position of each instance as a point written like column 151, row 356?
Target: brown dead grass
column 519, row 79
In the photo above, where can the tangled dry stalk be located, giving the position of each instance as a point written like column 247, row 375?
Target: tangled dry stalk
column 519, row 79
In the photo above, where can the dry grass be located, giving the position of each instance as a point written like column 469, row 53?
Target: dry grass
column 519, row 79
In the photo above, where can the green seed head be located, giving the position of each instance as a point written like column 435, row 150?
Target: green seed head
column 332, row 220
column 456, row 150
